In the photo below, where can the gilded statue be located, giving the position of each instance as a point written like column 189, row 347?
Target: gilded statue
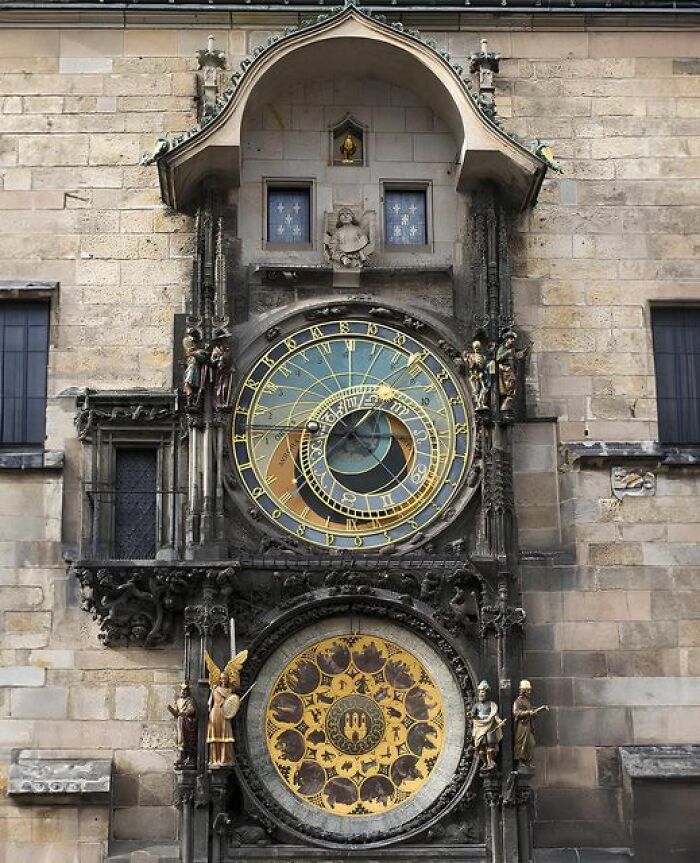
column 476, row 363
column 224, row 703
column 348, row 149
column 523, row 717
column 507, row 359
column 349, row 244
column 486, row 727
column 184, row 710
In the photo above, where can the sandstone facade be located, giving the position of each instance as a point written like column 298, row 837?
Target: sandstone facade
column 611, row 587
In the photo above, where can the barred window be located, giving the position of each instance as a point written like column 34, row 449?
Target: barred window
column 676, row 332
column 135, row 507
column 24, row 342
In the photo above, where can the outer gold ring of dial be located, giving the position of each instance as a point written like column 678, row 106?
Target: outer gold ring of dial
column 403, row 384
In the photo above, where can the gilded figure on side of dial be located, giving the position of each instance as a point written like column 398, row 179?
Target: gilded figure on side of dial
column 352, row 434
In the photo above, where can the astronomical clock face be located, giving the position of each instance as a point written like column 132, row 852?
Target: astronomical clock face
column 355, row 725
column 352, row 434
column 364, row 730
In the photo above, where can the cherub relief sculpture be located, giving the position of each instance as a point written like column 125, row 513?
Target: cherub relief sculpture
column 224, row 703
column 349, row 242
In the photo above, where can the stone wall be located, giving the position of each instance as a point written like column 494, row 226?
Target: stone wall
column 613, row 638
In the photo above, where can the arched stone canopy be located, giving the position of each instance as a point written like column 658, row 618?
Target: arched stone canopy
column 354, row 41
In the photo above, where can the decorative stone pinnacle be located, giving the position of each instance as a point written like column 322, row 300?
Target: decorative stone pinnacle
column 486, row 64
column 210, row 60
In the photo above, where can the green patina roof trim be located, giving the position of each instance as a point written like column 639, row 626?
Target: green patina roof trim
column 169, row 144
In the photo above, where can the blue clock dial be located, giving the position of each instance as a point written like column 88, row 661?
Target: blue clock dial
column 352, row 434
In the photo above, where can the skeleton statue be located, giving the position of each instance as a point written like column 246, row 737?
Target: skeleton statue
column 476, row 362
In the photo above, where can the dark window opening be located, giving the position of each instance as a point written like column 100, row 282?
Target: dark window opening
column 676, row 332
column 24, row 345
column 135, row 509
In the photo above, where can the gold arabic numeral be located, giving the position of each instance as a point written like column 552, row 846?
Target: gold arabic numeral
column 349, row 345
column 330, row 539
column 387, row 536
column 344, row 328
column 412, row 523
column 253, row 385
column 257, row 492
column 372, row 329
column 301, row 530
column 268, row 361
column 277, row 514
column 349, row 498
column 461, row 428
column 290, row 344
column 455, row 400
column 359, row 542
column 283, row 370
column 399, row 339
column 239, row 438
column 246, row 465
column 443, row 375
column 316, row 333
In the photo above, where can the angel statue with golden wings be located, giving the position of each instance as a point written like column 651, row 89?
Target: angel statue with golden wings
column 223, row 706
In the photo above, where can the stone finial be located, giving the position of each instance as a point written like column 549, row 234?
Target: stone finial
column 210, row 60
column 486, row 64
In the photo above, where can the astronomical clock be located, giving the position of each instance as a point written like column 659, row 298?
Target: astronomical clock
column 335, row 538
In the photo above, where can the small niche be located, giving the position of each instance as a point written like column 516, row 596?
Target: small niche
column 348, row 138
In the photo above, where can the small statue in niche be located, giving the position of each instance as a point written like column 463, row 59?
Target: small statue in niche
column 486, row 727
column 224, row 704
column 507, row 359
column 477, row 365
column 195, row 362
column 523, row 717
column 350, row 243
column 184, row 710
column 221, row 369
column 348, row 149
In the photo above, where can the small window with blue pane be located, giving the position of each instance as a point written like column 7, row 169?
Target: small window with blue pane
column 405, row 217
column 289, row 215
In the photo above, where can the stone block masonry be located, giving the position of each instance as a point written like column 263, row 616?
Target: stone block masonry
column 613, row 624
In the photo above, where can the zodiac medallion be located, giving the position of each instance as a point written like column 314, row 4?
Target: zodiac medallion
column 355, row 725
